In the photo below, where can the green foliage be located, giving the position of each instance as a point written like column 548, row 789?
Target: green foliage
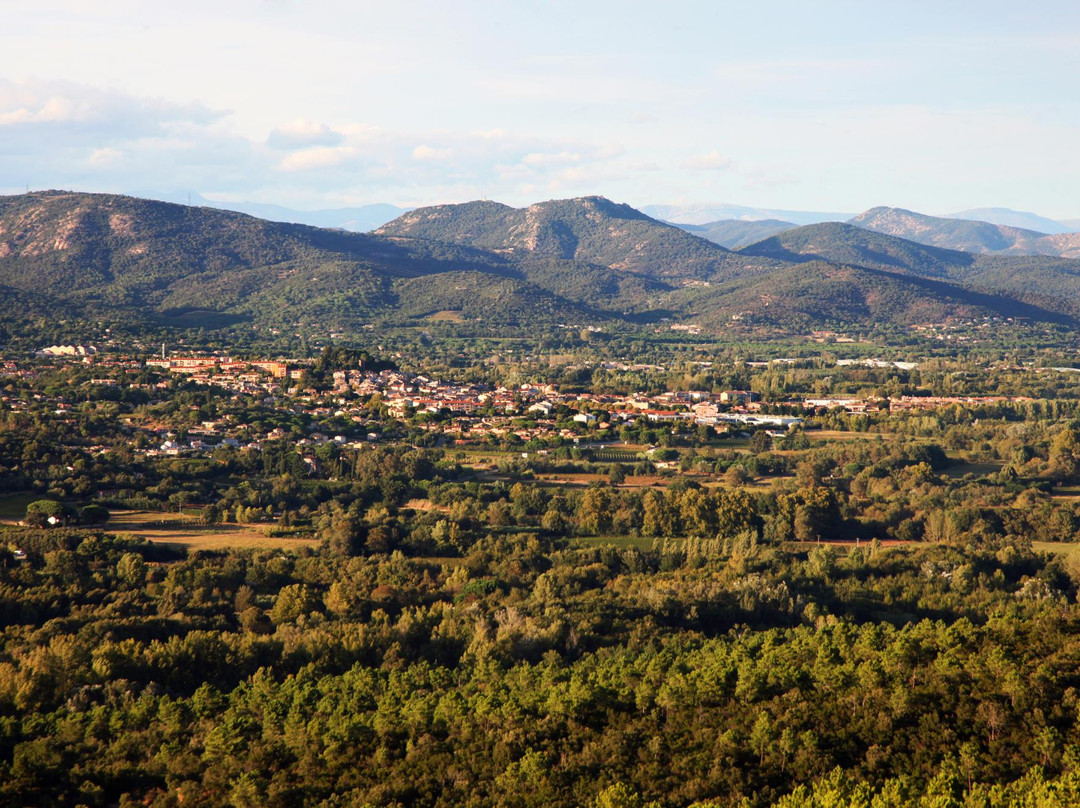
column 682, row 675
column 483, row 267
column 45, row 512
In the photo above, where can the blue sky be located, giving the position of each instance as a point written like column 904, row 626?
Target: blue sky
column 834, row 106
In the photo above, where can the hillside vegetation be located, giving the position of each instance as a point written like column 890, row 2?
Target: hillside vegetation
column 100, row 258
column 968, row 235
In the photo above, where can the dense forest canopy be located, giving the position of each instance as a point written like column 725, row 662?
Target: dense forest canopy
column 485, row 509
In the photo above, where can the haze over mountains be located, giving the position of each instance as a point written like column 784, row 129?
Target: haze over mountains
column 358, row 219
column 707, row 213
column 952, row 232
column 736, row 233
column 735, row 226
column 574, row 261
column 971, row 236
column 1015, row 218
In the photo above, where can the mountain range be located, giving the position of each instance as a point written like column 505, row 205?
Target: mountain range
column 968, row 235
column 726, row 224
column 736, row 233
column 708, row 213
column 1016, row 218
column 733, row 226
column 584, row 260
column 358, row 219
column 952, row 232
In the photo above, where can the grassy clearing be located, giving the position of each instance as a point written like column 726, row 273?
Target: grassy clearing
column 447, row 316
column 758, row 483
column 426, row 505
column 839, row 435
column 572, row 479
column 637, row 542
column 1066, row 549
column 171, row 528
column 13, row 507
column 978, row 469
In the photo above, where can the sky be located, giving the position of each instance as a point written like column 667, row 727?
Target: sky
column 834, row 106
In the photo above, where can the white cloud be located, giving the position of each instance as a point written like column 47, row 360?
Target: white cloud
column 37, row 103
column 549, row 159
column 105, row 156
column 62, row 134
column 302, row 133
column 431, row 153
column 713, row 161
column 315, row 158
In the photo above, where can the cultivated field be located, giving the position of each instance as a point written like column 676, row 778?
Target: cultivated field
column 171, row 528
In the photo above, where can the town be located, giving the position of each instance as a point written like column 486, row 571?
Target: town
column 534, row 417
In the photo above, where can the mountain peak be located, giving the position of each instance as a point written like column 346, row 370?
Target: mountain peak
column 1007, row 217
column 590, row 229
column 571, row 260
column 966, row 234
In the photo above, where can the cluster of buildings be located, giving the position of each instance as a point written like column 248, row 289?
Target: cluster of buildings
column 897, row 403
column 477, row 411
column 68, row 350
column 235, row 375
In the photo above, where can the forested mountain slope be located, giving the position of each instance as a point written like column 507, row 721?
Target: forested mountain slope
column 1046, row 282
column 566, row 261
column 968, row 235
column 590, row 229
column 736, row 233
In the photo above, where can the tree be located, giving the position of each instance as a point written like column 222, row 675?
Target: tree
column 292, row 602
column 595, row 510
column 131, row 569
column 95, row 515
column 554, row 520
column 1064, row 454
column 735, row 513
column 760, row 442
column 46, row 512
column 620, row 795
column 618, row 474
column 761, row 736
column 343, row 531
column 211, row 514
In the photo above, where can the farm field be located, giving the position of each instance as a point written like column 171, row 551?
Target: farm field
column 162, row 528
column 1068, row 550
column 978, row 469
column 13, row 507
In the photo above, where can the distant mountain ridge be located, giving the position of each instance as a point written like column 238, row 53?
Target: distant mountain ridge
column 360, row 219
column 1048, row 283
column 590, row 229
column 101, row 257
column 736, row 233
column 1007, row 217
column 968, row 235
column 706, row 213
column 842, row 243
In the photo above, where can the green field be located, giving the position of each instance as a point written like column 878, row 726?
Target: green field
column 637, row 542
column 169, row 528
column 1066, row 550
column 13, row 507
